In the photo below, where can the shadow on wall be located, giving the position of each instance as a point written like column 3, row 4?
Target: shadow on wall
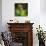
column 0, row 15
column 43, row 6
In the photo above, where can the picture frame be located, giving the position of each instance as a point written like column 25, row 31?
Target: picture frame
column 21, row 9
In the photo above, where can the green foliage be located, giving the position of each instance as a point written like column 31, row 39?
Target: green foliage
column 40, row 33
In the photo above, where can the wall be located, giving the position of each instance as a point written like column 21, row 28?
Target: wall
column 8, row 11
column 0, row 15
column 43, row 6
column 43, row 14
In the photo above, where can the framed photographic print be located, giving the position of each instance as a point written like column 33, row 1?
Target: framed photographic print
column 21, row 9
